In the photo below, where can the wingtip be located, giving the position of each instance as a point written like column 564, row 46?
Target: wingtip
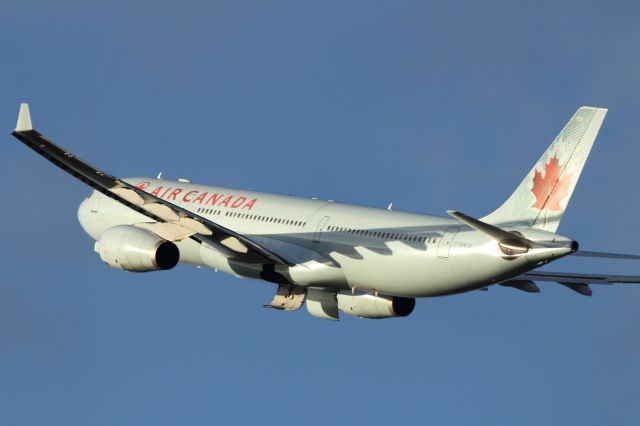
column 24, row 119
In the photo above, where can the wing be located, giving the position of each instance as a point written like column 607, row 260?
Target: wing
column 182, row 221
column 576, row 282
column 603, row 255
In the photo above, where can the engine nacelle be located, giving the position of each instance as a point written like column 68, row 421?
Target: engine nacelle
column 135, row 249
column 370, row 306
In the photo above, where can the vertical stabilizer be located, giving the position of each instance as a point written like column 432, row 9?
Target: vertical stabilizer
column 543, row 195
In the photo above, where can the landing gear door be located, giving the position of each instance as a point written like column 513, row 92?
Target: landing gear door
column 444, row 246
column 321, row 225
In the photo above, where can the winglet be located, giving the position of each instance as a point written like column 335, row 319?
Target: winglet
column 24, row 119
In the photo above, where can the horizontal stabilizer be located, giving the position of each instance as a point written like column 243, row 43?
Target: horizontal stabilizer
column 494, row 232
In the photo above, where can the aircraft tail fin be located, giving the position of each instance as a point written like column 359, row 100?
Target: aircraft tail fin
column 543, row 195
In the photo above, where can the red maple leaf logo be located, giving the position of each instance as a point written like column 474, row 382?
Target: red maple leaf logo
column 550, row 189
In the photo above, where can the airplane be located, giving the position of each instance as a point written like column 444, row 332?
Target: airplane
column 361, row 261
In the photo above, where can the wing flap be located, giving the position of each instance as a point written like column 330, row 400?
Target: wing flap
column 163, row 211
column 195, row 225
column 168, row 231
column 129, row 195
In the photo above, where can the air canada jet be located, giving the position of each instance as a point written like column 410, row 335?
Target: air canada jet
column 362, row 261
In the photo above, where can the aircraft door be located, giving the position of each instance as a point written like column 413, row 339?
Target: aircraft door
column 321, row 225
column 444, row 246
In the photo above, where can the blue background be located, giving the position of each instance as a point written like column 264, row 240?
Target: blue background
column 431, row 105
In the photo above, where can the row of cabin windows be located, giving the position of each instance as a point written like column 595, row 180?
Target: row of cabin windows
column 256, row 217
column 209, row 211
column 384, row 235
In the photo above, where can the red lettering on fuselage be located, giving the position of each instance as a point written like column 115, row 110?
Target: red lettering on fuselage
column 194, row 196
column 201, row 197
column 187, row 194
column 214, row 198
column 238, row 202
column 165, row 192
column 226, row 201
column 250, row 204
column 174, row 193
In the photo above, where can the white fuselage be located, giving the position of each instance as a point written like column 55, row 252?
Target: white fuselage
column 330, row 245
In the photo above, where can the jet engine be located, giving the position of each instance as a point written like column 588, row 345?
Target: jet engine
column 135, row 249
column 370, row 306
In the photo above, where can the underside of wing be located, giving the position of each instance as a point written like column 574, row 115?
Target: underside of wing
column 605, row 255
column 576, row 282
column 173, row 220
column 566, row 277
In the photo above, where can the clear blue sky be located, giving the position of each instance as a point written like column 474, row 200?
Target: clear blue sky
column 434, row 106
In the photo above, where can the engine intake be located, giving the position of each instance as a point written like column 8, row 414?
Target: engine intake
column 137, row 250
